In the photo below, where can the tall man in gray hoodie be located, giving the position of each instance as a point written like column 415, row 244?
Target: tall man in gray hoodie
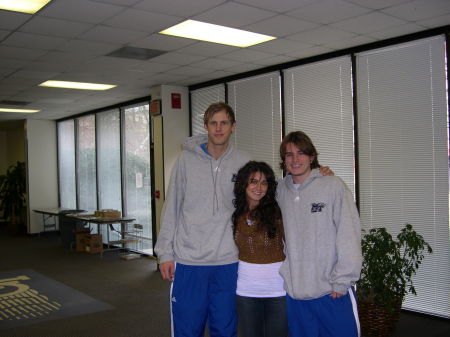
column 323, row 245
column 195, row 246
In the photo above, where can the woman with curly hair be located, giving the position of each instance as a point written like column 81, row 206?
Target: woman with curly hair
column 258, row 233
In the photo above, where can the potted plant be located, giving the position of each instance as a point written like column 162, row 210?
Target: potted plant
column 386, row 277
column 13, row 197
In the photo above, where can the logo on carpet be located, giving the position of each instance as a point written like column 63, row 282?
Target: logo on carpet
column 28, row 297
column 19, row 301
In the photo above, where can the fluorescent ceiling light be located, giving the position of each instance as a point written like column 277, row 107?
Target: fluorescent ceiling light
column 25, row 111
column 203, row 31
column 77, row 85
column 23, row 6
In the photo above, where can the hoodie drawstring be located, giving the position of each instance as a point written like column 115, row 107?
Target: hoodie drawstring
column 214, row 178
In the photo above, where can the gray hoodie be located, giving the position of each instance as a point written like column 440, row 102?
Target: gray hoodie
column 323, row 236
column 196, row 226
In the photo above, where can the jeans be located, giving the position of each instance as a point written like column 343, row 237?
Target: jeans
column 262, row 317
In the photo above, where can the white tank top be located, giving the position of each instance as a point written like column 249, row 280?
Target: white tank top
column 260, row 280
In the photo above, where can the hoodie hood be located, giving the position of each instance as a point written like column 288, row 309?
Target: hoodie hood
column 315, row 174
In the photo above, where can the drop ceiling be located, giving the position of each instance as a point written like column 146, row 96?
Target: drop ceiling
column 83, row 40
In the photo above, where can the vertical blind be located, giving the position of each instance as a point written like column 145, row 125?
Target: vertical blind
column 66, row 164
column 318, row 100
column 200, row 100
column 403, row 156
column 256, row 102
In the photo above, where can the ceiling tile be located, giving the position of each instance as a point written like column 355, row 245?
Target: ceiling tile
column 280, row 26
column 39, row 75
column 215, row 63
column 437, row 21
column 12, row 20
column 368, row 23
column 207, row 49
column 156, row 67
column 328, row 11
column 162, row 42
column 321, row 35
column 179, row 8
column 177, row 58
column 188, row 71
column 20, row 53
column 68, row 59
column 112, row 35
column 279, row 6
column 420, row 9
column 80, row 10
column 54, row 27
column 33, row 41
column 232, row 14
column 408, row 28
column 378, row 4
column 120, row 2
column 243, row 67
column 310, row 52
column 353, row 42
column 142, row 21
column 4, row 33
column 246, row 55
column 87, row 47
column 281, row 46
column 12, row 63
column 279, row 59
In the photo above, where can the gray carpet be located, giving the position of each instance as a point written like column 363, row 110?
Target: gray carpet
column 27, row 297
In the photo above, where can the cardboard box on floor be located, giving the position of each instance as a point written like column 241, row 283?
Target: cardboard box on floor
column 80, row 239
column 94, row 243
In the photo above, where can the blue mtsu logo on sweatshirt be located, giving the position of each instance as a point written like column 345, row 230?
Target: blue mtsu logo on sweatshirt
column 317, row 207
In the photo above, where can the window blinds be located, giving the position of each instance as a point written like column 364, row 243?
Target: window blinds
column 403, row 156
column 318, row 100
column 200, row 100
column 256, row 102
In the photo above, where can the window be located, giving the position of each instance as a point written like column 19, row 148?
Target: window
column 256, row 102
column 66, row 164
column 137, row 188
column 86, row 165
column 109, row 173
column 318, row 99
column 200, row 100
column 403, row 155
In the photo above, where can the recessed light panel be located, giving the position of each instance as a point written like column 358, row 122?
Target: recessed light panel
column 23, row 6
column 77, row 85
column 203, row 31
column 26, row 111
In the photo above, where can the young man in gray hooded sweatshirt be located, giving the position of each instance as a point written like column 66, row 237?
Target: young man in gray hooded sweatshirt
column 323, row 245
column 195, row 246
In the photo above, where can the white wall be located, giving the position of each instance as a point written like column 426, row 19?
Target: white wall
column 175, row 126
column 42, row 170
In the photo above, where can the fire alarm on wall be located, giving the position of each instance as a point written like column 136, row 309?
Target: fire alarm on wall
column 155, row 107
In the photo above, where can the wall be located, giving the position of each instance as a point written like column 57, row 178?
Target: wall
column 42, row 170
column 175, row 125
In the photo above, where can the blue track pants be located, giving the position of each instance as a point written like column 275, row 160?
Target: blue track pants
column 323, row 317
column 203, row 294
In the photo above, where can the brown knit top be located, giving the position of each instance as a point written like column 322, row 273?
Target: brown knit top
column 254, row 244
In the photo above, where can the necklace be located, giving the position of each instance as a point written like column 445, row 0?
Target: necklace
column 250, row 222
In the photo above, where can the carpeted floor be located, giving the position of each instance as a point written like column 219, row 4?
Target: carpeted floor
column 134, row 289
column 27, row 297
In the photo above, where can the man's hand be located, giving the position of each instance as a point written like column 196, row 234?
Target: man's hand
column 326, row 171
column 167, row 270
column 335, row 295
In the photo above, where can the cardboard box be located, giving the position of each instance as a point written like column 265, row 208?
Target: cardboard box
column 80, row 239
column 108, row 213
column 93, row 243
